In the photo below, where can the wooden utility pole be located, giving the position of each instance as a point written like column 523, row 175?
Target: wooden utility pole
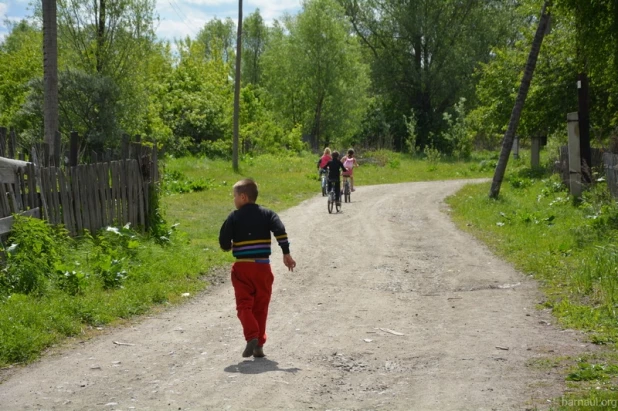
column 237, row 89
column 50, row 74
column 507, row 142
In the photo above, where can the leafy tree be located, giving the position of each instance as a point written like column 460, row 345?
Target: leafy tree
column 551, row 95
column 314, row 73
column 86, row 103
column 20, row 60
column 198, row 97
column 424, row 52
column 112, row 43
column 219, row 39
column 254, row 41
column 596, row 27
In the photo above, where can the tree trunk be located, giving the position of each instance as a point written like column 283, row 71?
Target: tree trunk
column 50, row 74
column 317, row 120
column 507, row 142
column 237, row 90
column 100, row 37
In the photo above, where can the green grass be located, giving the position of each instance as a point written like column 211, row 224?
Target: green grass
column 284, row 182
column 157, row 275
column 569, row 246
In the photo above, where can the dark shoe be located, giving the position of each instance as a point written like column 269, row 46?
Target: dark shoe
column 251, row 345
column 258, row 352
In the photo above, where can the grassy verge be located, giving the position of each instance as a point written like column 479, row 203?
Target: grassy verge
column 70, row 287
column 284, row 182
column 570, row 247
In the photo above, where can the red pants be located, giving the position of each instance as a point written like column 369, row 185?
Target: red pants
column 253, row 285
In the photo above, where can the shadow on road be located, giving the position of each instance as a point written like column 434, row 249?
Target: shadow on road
column 258, row 366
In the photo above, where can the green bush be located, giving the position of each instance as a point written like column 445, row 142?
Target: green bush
column 30, row 259
column 176, row 182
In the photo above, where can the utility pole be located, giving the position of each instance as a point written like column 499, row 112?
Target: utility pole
column 50, row 76
column 509, row 135
column 237, row 90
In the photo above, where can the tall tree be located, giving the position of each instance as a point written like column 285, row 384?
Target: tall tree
column 219, row 39
column 112, row 41
column 314, row 74
column 21, row 55
column 254, row 39
column 424, row 53
column 507, row 142
column 50, row 73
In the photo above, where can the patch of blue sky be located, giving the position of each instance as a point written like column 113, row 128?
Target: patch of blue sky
column 11, row 12
column 177, row 18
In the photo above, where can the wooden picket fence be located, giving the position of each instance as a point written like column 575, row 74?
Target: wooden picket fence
column 80, row 197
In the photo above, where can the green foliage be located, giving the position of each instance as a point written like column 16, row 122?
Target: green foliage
column 314, row 74
column 423, row 53
column 89, row 104
column 20, row 60
column 433, row 156
column 176, row 182
column 254, row 42
column 411, row 125
column 455, row 139
column 30, row 260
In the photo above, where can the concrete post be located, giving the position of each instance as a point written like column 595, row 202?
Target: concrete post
column 575, row 165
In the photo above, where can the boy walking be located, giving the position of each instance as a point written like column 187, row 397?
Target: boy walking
column 246, row 232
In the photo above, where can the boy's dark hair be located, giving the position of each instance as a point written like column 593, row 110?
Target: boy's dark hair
column 335, row 155
column 247, row 187
column 350, row 152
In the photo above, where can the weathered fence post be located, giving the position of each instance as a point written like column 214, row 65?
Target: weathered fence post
column 13, row 144
column 2, row 141
column 124, row 149
column 74, row 149
column 56, row 154
column 575, row 165
column 138, row 148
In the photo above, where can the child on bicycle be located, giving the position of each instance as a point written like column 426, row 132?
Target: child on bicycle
column 333, row 167
column 326, row 157
column 349, row 162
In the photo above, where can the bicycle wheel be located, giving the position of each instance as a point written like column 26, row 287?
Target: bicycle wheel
column 324, row 193
column 346, row 192
column 338, row 206
column 330, row 205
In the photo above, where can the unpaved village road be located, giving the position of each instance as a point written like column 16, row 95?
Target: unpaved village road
column 403, row 312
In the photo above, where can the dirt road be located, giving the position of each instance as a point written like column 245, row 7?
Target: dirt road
column 404, row 312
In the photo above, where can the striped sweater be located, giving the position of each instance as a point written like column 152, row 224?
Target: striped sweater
column 246, row 232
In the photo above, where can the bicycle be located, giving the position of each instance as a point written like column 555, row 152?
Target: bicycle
column 324, row 182
column 332, row 199
column 346, row 189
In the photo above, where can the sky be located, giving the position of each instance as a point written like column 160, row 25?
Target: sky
column 178, row 18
